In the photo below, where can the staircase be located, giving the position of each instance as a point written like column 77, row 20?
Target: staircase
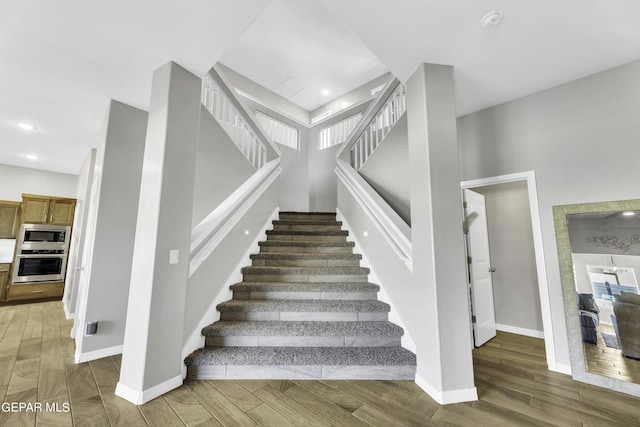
column 304, row 309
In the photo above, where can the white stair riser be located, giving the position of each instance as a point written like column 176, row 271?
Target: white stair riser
column 318, row 372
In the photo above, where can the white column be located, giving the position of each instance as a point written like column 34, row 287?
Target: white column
column 152, row 353
column 445, row 365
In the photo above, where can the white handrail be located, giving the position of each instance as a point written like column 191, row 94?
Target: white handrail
column 379, row 127
column 393, row 228
column 208, row 234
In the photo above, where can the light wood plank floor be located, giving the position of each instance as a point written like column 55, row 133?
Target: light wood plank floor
column 514, row 387
column 603, row 360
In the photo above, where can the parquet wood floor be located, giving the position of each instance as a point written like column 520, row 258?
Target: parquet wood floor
column 514, row 388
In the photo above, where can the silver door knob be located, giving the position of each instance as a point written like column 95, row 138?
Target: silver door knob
column 492, row 270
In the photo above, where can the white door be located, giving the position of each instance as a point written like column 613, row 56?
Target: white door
column 482, row 310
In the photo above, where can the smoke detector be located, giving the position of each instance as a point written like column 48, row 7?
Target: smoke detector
column 492, row 19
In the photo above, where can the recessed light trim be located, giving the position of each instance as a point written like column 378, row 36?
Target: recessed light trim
column 26, row 126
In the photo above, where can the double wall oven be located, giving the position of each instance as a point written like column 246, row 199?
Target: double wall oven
column 41, row 253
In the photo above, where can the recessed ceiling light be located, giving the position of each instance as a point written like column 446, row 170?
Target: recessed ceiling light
column 25, row 126
column 492, row 18
column 628, row 213
column 31, row 156
column 325, row 92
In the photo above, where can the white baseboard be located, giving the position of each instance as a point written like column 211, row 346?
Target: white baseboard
column 561, row 368
column 447, row 397
column 139, row 397
column 67, row 314
column 520, row 331
column 98, row 354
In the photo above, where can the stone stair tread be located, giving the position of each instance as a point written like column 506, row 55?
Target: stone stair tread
column 314, row 306
column 296, row 356
column 305, row 287
column 261, row 269
column 307, row 233
column 304, row 243
column 305, row 256
column 303, row 328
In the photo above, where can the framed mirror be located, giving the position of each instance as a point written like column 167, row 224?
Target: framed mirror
column 599, row 259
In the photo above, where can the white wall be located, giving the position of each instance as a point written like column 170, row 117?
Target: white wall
column 17, row 180
column 386, row 170
column 580, row 138
column 515, row 281
column 220, row 167
column 111, row 226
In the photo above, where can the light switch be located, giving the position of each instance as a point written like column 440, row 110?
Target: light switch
column 174, row 256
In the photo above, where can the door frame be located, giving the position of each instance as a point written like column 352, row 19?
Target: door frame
column 541, row 269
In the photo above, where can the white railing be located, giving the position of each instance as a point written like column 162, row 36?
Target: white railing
column 278, row 131
column 393, row 228
column 337, row 133
column 220, row 106
column 379, row 127
column 207, row 235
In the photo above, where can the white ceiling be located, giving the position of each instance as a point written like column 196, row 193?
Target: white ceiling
column 61, row 62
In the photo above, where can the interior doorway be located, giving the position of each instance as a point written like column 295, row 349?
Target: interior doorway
column 520, row 182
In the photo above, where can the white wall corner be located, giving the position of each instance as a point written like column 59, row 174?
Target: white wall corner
column 139, row 397
column 98, row 354
column 394, row 317
column 447, row 397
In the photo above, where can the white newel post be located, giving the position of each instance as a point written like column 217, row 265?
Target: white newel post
column 152, row 352
column 445, row 365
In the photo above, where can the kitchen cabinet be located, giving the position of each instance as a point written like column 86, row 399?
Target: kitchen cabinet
column 9, row 219
column 27, row 291
column 47, row 210
column 5, row 270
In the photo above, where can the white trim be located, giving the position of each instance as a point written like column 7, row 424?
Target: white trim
column 394, row 316
column 543, row 284
column 207, row 235
column 520, row 331
column 139, row 397
column 447, row 397
column 393, row 228
column 67, row 314
column 97, row 354
column 562, row 368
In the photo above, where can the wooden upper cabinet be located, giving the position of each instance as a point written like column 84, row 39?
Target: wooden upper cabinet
column 9, row 219
column 47, row 210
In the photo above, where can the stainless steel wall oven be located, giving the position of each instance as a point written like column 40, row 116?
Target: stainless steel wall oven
column 41, row 253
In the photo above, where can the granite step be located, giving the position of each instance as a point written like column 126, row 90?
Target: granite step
column 305, row 260
column 303, row 334
column 382, row 363
column 308, row 236
column 304, row 290
column 306, row 247
column 307, row 216
column 304, row 274
column 300, row 310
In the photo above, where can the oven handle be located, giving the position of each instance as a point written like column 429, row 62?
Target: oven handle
column 42, row 256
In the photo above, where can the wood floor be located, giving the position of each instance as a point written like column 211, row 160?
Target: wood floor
column 514, row 387
column 603, row 360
